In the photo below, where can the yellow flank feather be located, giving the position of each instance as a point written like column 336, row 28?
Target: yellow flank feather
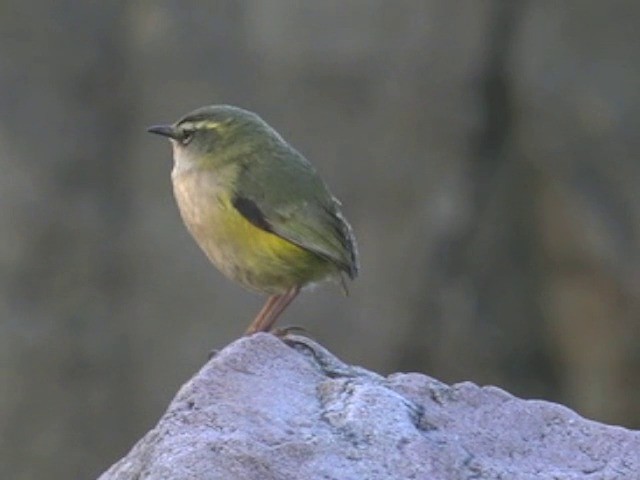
column 258, row 259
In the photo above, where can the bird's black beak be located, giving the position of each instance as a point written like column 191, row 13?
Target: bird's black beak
column 165, row 130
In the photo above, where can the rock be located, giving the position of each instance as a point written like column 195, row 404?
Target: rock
column 263, row 409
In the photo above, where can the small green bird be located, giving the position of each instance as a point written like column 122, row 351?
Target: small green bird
column 257, row 207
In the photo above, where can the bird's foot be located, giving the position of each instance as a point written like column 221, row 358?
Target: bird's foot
column 283, row 332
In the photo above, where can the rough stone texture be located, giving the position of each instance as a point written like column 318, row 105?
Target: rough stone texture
column 262, row 409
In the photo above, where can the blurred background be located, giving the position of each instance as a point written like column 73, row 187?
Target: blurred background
column 485, row 151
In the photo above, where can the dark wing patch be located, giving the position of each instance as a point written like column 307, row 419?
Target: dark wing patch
column 252, row 212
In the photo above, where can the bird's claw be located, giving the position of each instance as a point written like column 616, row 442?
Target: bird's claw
column 283, row 332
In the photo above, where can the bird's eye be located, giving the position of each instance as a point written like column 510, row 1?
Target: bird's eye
column 187, row 136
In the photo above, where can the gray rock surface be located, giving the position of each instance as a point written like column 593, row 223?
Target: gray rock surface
column 262, row 409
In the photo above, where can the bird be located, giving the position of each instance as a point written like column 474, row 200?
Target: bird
column 257, row 207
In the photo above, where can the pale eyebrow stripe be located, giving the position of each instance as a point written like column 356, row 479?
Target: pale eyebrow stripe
column 202, row 125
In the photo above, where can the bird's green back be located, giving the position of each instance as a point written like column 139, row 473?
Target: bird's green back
column 296, row 203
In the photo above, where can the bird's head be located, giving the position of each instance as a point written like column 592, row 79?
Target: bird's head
column 210, row 135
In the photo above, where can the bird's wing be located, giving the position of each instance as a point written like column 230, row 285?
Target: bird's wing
column 286, row 197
